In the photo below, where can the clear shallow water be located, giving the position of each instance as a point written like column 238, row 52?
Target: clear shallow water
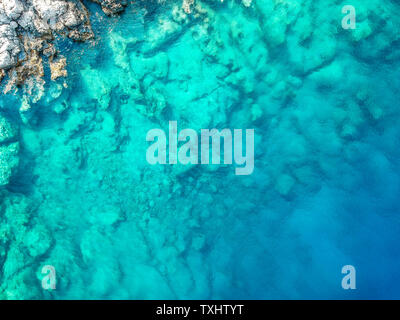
column 324, row 193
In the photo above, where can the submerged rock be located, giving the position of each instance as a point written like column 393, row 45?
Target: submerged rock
column 9, row 150
column 7, row 131
column 8, row 161
column 57, row 68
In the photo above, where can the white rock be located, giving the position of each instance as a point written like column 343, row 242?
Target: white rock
column 13, row 8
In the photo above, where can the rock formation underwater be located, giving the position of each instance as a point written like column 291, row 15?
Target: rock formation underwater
column 83, row 83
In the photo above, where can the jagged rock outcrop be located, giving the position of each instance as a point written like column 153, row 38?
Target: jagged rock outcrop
column 112, row 7
column 28, row 27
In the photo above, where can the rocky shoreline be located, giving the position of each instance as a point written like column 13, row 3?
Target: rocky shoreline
column 28, row 28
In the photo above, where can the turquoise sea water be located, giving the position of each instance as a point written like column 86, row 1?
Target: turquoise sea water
column 324, row 103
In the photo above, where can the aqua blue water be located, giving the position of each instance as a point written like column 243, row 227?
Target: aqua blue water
column 324, row 103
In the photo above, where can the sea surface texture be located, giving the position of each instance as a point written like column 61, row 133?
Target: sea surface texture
column 77, row 193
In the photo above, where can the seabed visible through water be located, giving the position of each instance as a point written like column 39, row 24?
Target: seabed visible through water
column 77, row 192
